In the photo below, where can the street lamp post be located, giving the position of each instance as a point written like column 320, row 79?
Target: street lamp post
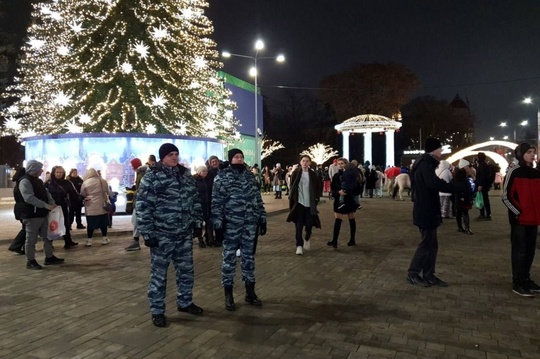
column 522, row 123
column 529, row 101
column 259, row 45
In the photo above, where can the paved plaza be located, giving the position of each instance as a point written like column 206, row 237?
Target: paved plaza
column 353, row 302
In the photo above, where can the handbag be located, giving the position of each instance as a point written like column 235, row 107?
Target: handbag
column 479, row 200
column 107, row 205
column 56, row 227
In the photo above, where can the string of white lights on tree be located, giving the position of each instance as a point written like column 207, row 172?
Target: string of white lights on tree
column 121, row 66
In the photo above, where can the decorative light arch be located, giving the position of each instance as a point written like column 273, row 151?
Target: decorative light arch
column 367, row 124
column 473, row 151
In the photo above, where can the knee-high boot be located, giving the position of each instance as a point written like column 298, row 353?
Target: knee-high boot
column 459, row 223
column 466, row 222
column 337, row 227
column 352, row 223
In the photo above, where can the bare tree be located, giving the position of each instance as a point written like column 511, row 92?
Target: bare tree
column 371, row 88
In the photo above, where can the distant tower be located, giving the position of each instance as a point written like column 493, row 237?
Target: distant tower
column 463, row 121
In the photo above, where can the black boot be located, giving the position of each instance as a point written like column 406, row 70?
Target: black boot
column 352, row 223
column 251, row 297
column 337, row 227
column 467, row 222
column 201, row 243
column 229, row 299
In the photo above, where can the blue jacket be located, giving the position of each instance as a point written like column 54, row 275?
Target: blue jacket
column 236, row 199
column 168, row 203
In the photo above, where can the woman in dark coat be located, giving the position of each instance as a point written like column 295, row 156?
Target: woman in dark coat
column 371, row 180
column 303, row 198
column 75, row 204
column 61, row 191
column 348, row 210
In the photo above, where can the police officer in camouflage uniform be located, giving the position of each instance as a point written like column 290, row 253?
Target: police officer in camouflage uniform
column 169, row 215
column 237, row 208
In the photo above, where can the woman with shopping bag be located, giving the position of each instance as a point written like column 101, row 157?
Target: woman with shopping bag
column 61, row 191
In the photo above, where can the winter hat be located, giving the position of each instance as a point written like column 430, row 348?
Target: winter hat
column 33, row 167
column 463, row 163
column 432, row 144
column 518, row 152
column 481, row 156
column 136, row 163
column 200, row 169
column 165, row 149
column 233, row 152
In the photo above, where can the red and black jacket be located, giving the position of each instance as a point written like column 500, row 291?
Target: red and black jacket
column 521, row 194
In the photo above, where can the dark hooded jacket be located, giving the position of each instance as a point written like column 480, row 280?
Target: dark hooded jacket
column 425, row 192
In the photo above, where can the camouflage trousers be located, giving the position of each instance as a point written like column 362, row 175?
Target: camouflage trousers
column 180, row 252
column 240, row 236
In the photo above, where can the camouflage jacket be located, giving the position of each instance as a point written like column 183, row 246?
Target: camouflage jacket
column 167, row 202
column 236, row 198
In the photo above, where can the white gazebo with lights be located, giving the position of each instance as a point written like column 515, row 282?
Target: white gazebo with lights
column 367, row 124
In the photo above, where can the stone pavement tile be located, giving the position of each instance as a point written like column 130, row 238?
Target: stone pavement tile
column 320, row 305
column 371, row 350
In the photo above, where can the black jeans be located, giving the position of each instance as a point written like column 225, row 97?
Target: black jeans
column 486, row 211
column 523, row 240
column 425, row 257
column 75, row 213
column 18, row 242
column 303, row 219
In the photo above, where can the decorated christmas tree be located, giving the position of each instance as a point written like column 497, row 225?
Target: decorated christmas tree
column 120, row 66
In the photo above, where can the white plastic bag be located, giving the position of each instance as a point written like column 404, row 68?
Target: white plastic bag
column 56, row 228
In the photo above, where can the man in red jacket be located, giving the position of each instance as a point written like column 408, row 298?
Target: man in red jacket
column 521, row 194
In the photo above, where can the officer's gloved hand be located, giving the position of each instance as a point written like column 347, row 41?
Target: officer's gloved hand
column 262, row 228
column 197, row 232
column 151, row 242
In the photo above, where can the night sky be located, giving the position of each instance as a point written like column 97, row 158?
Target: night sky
column 487, row 51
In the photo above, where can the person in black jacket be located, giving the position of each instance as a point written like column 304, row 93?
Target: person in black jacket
column 17, row 245
column 76, row 203
column 62, row 191
column 483, row 185
column 348, row 211
column 521, row 195
column 204, row 196
column 214, row 165
column 427, row 214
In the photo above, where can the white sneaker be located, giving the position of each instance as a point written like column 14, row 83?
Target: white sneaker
column 105, row 241
column 299, row 250
column 238, row 252
column 88, row 243
column 307, row 246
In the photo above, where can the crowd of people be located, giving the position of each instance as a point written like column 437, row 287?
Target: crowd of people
column 221, row 206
